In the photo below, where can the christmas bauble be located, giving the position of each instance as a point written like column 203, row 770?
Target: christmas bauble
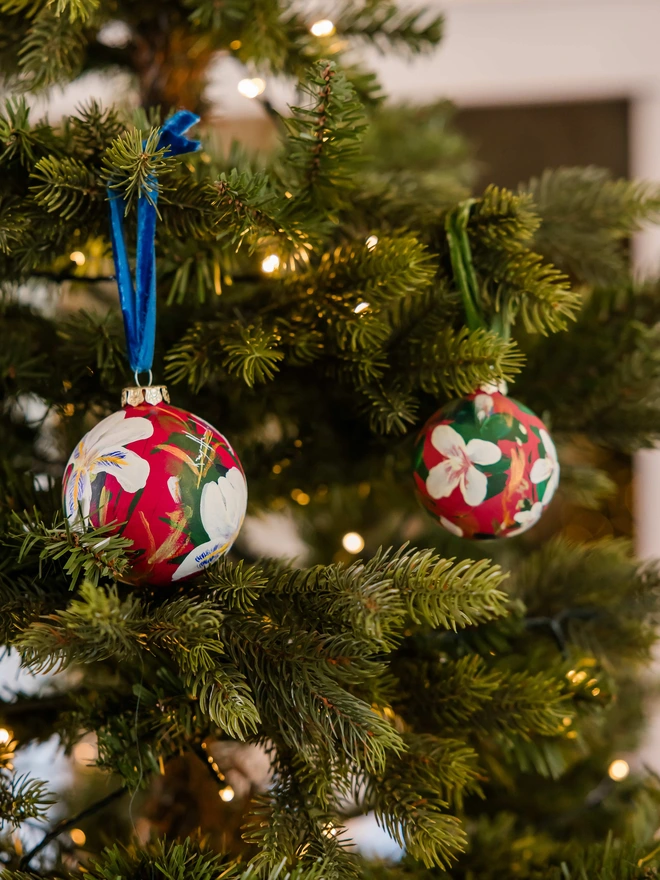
column 485, row 466
column 167, row 479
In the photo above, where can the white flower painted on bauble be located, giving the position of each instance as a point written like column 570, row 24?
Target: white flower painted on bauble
column 526, row 519
column 103, row 450
column 483, row 406
column 546, row 468
column 175, row 489
column 459, row 469
column 451, row 527
column 222, row 510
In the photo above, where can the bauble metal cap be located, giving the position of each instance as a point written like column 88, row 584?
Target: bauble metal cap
column 151, row 394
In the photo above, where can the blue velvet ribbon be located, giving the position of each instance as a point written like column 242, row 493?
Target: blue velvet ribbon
column 138, row 301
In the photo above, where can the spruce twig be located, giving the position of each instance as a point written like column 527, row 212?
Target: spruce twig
column 68, row 824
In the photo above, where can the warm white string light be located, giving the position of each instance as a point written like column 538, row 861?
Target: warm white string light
column 227, row 793
column 371, row 242
column 115, row 34
column 78, row 836
column 361, row 307
column 251, row 88
column 5, row 736
column 323, row 28
column 78, row 258
column 618, row 770
column 271, row 263
column 353, row 542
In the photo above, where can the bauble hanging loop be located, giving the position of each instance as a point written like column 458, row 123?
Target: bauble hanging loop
column 485, row 466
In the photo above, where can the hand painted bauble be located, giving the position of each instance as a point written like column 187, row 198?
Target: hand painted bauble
column 168, row 479
column 485, row 466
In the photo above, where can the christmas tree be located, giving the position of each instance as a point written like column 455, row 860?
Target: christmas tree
column 317, row 305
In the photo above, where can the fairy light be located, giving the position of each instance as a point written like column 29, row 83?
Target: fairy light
column 114, row 34
column 371, row 242
column 235, row 45
column 77, row 257
column 323, row 28
column 227, row 793
column 361, row 307
column 618, row 770
column 270, row 264
column 78, row 836
column 251, row 88
column 5, row 736
column 330, row 830
column 353, row 542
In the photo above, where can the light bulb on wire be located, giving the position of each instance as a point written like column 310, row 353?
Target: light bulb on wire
column 323, row 28
column 271, row 263
column 78, row 836
column 618, row 770
column 353, row 542
column 251, row 88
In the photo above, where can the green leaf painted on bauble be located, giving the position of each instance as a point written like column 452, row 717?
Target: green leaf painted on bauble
column 541, row 487
column 418, row 456
column 499, row 426
column 500, row 467
column 467, row 431
column 465, row 422
column 496, row 484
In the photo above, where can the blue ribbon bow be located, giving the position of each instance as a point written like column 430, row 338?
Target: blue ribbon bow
column 138, row 302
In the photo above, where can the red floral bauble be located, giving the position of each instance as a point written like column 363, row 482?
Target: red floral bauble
column 170, row 482
column 485, row 466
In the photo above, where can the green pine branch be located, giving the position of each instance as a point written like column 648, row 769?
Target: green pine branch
column 66, row 186
column 587, row 218
column 385, row 24
column 322, row 147
column 467, row 696
column 132, row 165
column 92, row 554
column 53, row 49
column 410, row 800
column 457, row 362
column 378, row 596
column 21, row 797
